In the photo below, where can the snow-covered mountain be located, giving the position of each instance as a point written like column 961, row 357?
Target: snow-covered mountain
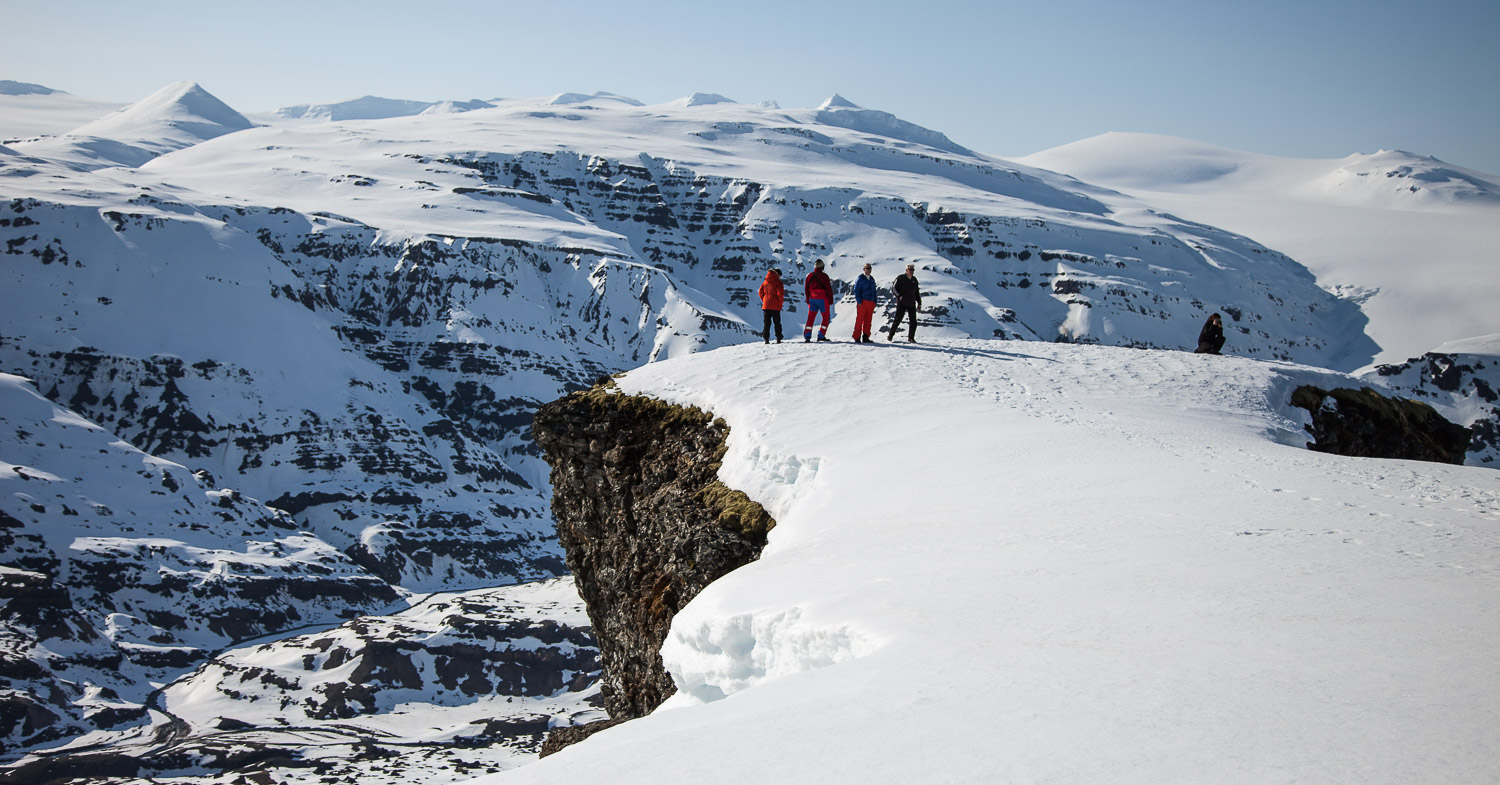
column 177, row 116
column 342, row 328
column 1408, row 236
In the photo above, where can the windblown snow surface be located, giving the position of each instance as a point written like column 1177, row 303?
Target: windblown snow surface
column 1027, row 562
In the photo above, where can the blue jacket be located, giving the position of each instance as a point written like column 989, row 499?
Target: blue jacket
column 864, row 288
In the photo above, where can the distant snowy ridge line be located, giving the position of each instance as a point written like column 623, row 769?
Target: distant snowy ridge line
column 1394, row 179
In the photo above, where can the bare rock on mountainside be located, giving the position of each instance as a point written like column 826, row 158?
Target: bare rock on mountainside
column 1365, row 424
column 1460, row 379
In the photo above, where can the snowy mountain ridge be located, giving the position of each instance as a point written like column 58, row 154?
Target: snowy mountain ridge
column 1153, row 162
column 342, row 329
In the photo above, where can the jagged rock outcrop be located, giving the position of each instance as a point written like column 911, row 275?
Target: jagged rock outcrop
column 645, row 524
column 1462, row 384
column 1365, row 424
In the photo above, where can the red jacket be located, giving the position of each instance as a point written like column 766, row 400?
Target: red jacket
column 772, row 292
column 818, row 286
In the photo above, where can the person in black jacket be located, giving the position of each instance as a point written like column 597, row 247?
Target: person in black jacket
column 1211, row 338
column 908, row 300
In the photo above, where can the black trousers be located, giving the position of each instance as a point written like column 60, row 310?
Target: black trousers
column 910, row 312
column 772, row 317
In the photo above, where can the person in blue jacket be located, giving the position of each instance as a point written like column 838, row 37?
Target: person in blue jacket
column 864, row 305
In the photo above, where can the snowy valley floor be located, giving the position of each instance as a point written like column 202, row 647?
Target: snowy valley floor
column 1028, row 562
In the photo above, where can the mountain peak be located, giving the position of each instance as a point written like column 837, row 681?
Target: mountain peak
column 704, row 99
column 179, row 115
column 837, row 101
column 1396, row 177
column 842, row 112
column 182, row 111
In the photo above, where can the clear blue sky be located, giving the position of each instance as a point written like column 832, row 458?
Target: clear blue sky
column 1307, row 78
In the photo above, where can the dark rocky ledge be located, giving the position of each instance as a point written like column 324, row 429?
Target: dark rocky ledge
column 1365, row 424
column 646, row 525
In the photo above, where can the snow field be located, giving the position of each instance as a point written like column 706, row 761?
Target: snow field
column 1045, row 563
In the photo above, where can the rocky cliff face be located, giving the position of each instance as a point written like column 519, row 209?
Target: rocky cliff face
column 645, row 525
column 121, row 569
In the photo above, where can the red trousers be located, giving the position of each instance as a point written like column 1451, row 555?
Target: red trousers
column 864, row 314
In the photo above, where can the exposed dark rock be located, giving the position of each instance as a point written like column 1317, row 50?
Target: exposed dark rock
column 572, row 734
column 1464, row 381
column 71, row 768
column 645, row 523
column 25, row 715
column 1365, row 424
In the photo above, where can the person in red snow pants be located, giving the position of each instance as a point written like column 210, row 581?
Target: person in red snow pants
column 819, row 291
column 864, row 304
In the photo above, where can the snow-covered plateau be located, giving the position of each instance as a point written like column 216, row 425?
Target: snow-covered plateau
column 266, row 383
column 1031, row 562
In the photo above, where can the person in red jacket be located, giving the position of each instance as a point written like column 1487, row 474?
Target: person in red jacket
column 772, row 295
column 819, row 291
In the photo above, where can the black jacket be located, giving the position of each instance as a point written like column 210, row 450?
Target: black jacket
column 908, row 291
column 1211, row 337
